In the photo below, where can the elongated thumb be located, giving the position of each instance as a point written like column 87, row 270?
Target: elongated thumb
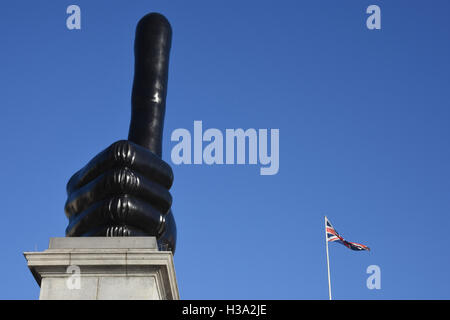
column 148, row 100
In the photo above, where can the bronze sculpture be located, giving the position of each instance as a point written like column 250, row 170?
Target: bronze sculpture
column 124, row 190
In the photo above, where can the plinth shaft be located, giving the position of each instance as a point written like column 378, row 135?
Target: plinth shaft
column 101, row 268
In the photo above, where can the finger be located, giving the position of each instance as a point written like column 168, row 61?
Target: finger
column 113, row 231
column 116, row 182
column 123, row 231
column 130, row 215
column 168, row 236
column 127, row 154
column 148, row 99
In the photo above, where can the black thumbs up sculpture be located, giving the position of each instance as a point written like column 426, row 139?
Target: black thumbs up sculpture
column 124, row 190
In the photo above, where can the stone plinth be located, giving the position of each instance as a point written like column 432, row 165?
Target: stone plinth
column 101, row 268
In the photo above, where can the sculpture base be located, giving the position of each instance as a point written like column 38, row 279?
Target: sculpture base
column 101, row 268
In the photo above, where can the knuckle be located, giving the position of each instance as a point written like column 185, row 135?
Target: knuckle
column 122, row 180
column 123, row 152
column 118, row 231
column 118, row 209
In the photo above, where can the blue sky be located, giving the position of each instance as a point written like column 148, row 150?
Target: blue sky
column 364, row 138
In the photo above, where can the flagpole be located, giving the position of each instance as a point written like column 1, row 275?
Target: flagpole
column 328, row 259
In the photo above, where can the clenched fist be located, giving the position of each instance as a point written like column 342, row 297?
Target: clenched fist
column 124, row 190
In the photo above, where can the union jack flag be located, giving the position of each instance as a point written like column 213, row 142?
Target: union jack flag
column 333, row 236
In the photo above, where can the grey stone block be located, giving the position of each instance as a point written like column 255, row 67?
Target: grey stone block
column 103, row 243
column 104, row 268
